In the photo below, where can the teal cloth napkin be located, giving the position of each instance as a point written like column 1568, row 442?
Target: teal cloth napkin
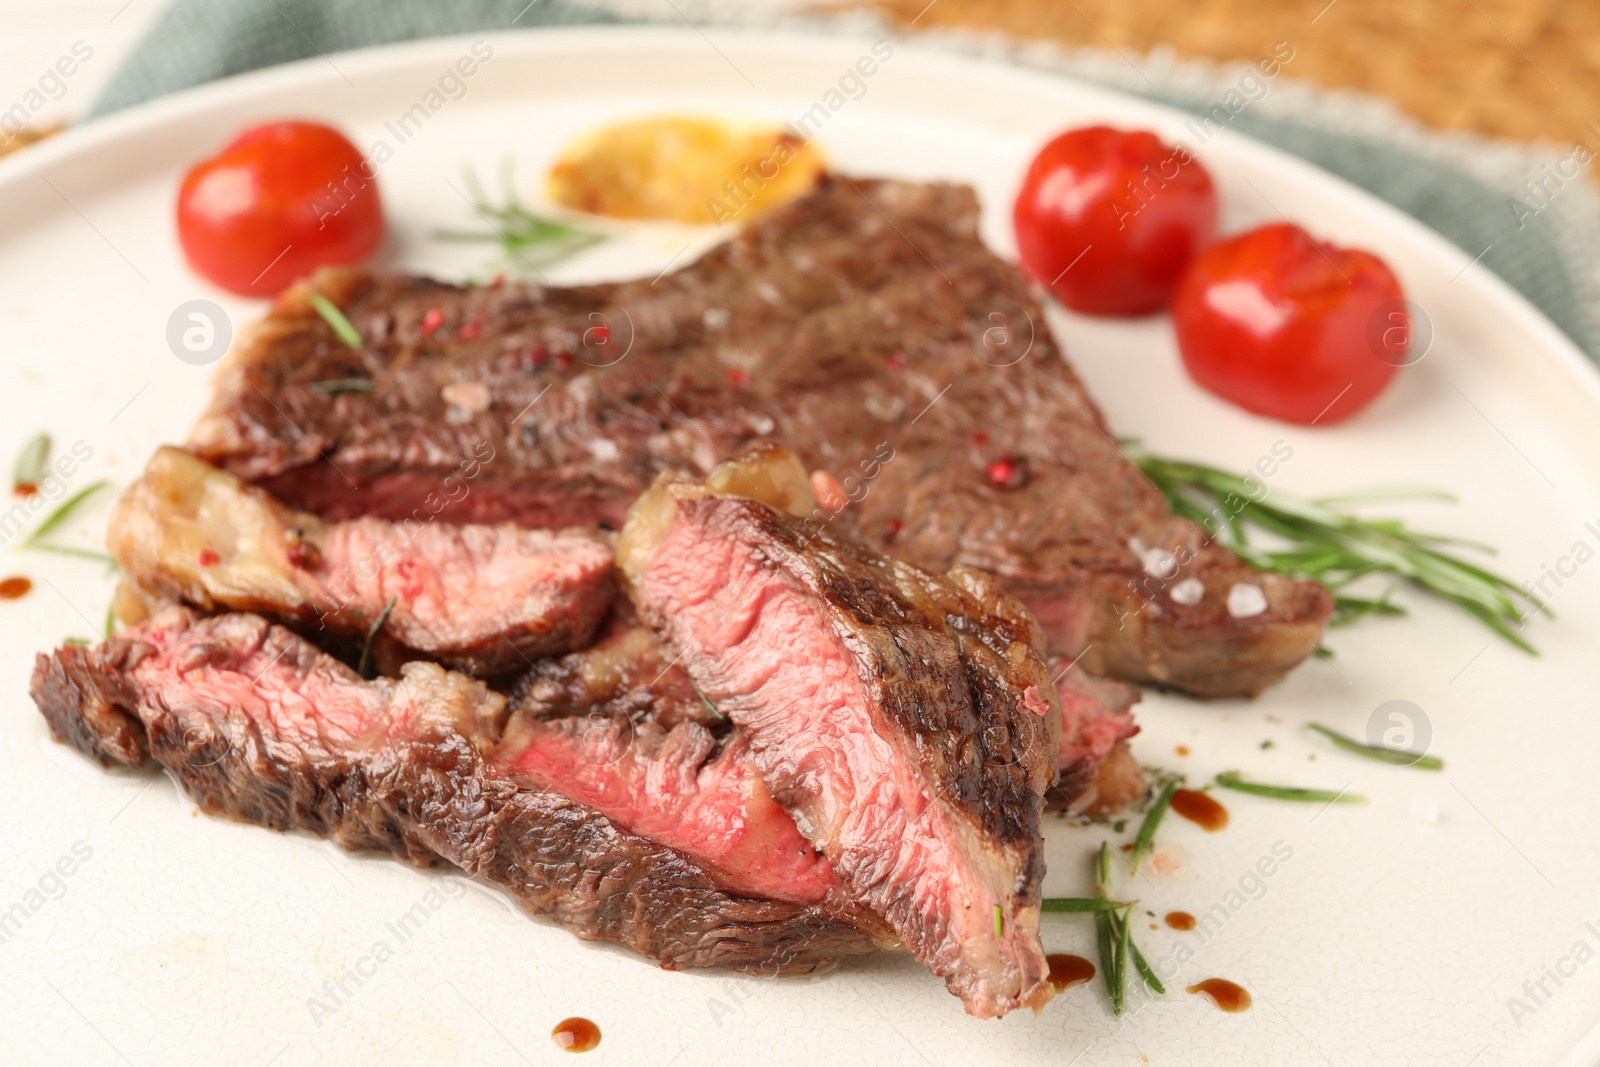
column 196, row 41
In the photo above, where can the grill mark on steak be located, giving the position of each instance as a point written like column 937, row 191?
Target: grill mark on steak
column 831, row 324
column 906, row 721
column 256, row 723
column 486, row 599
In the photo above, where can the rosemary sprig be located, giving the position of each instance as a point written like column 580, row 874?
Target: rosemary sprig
column 29, row 468
column 335, row 319
column 1232, row 780
column 1152, row 819
column 1321, row 540
column 525, row 238
column 372, row 636
column 59, row 516
column 1394, row 756
column 329, row 386
column 1105, row 930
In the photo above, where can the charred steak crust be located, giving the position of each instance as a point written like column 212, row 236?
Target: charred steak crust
column 866, row 326
column 423, row 793
column 918, row 764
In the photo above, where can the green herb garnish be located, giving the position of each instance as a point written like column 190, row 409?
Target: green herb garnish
column 525, row 238
column 1394, row 756
column 1105, row 929
column 1232, row 780
column 335, row 319
column 341, row 385
column 1321, row 540
column 60, row 515
column 999, row 922
column 1078, row 905
column 372, row 636
column 1152, row 819
column 29, row 468
column 1145, row 970
column 76, row 642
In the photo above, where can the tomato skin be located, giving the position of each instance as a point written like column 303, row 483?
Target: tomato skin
column 279, row 201
column 1135, row 210
column 1279, row 324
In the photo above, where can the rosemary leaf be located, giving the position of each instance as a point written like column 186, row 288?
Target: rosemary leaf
column 1066, row 905
column 76, row 642
column 1152, row 819
column 335, row 319
column 999, row 922
column 29, row 468
column 1393, row 756
column 111, row 618
column 1232, row 780
column 372, row 636
column 1119, row 931
column 1106, row 930
column 70, row 550
column 61, row 515
column 329, row 386
column 1145, row 970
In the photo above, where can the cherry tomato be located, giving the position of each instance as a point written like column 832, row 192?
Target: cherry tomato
column 1284, row 326
column 278, row 202
column 1108, row 219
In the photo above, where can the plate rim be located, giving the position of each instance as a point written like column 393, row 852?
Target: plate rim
column 102, row 135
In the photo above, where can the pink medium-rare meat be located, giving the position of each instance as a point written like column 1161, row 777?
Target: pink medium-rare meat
column 256, row 723
column 865, row 325
column 487, row 599
column 683, row 788
column 1098, row 772
column 906, row 720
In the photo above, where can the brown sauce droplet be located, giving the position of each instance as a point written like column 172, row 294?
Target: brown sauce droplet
column 14, row 588
column 1180, row 920
column 1067, row 970
column 24, row 489
column 576, row 1035
column 1224, row 994
column 1183, row 750
column 1200, row 809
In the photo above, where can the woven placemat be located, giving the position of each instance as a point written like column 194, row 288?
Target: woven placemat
column 1494, row 199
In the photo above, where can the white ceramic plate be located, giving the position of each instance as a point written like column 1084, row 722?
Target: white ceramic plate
column 1396, row 933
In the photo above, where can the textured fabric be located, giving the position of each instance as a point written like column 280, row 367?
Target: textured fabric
column 1466, row 191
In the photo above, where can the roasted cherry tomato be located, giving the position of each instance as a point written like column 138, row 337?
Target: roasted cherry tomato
column 278, row 202
column 1108, row 219
column 1289, row 327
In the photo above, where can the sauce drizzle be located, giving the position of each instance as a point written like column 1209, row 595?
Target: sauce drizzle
column 1180, row 920
column 1228, row 996
column 1067, row 970
column 1200, row 809
column 14, row 588
column 576, row 1034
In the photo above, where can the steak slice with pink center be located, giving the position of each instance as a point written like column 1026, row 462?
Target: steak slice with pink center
column 257, row 723
column 486, row 599
column 906, row 720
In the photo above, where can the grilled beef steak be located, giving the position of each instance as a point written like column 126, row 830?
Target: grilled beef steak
column 906, row 720
column 1098, row 772
column 865, row 325
column 487, row 599
column 256, row 723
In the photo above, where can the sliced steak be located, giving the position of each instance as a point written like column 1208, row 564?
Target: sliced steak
column 1098, row 772
column 256, row 723
column 487, row 599
column 907, row 721
column 866, row 326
